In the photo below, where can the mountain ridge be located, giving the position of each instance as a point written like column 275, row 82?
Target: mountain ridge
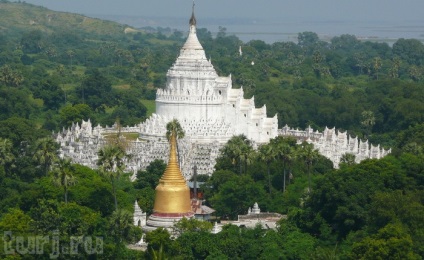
column 20, row 17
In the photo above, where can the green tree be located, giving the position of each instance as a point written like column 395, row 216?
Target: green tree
column 46, row 215
column 111, row 165
column 238, row 149
column 410, row 50
column 174, row 128
column 377, row 66
column 368, row 121
column 248, row 154
column 16, row 102
column 121, row 223
column 50, row 92
column 397, row 207
column 217, row 179
column 46, row 152
column 232, row 151
column 307, row 39
column 394, row 70
column 150, row 177
column 347, row 159
column 94, row 191
column 21, row 132
column 76, row 220
column 317, row 59
column 286, row 152
column 10, row 77
column 298, row 245
column 6, row 154
column 95, row 90
column 72, row 114
column 70, row 54
column 32, row 41
column 391, row 242
column 309, row 155
column 16, row 220
column 191, row 225
column 341, row 199
column 236, row 195
column 415, row 73
column 158, row 238
column 195, row 245
column 146, row 199
column 63, row 175
column 130, row 110
column 267, row 154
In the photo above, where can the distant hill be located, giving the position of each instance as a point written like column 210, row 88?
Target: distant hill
column 18, row 17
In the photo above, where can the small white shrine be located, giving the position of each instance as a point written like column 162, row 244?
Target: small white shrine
column 139, row 216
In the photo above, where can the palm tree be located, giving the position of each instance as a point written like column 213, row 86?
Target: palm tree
column 111, row 165
column 62, row 175
column 368, row 121
column 174, row 128
column 6, row 155
column 285, row 152
column 118, row 139
column 239, row 149
column 70, row 54
column 287, row 155
column 267, row 154
column 377, row 65
column 248, row 154
column 233, row 151
column 347, row 159
column 10, row 77
column 415, row 73
column 46, row 152
column 394, row 71
column 158, row 254
column 309, row 155
column 120, row 224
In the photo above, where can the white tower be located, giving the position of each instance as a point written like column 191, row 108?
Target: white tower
column 205, row 104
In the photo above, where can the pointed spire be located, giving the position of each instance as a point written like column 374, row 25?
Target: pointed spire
column 137, row 208
column 193, row 18
column 192, row 43
column 172, row 171
column 172, row 192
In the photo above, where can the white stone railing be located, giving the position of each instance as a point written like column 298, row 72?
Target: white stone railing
column 202, row 145
column 334, row 144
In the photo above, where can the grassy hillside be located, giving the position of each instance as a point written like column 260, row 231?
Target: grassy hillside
column 24, row 16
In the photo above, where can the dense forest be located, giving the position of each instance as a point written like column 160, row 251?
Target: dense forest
column 58, row 68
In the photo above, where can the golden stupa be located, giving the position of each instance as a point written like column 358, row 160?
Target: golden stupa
column 172, row 193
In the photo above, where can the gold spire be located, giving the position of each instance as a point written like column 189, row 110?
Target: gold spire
column 172, row 172
column 172, row 193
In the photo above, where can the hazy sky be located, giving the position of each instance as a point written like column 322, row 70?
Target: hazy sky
column 332, row 10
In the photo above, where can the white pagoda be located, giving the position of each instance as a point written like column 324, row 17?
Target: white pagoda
column 210, row 112
column 205, row 104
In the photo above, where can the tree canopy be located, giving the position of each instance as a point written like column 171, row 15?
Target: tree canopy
column 54, row 74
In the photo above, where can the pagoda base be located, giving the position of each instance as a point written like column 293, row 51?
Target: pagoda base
column 165, row 220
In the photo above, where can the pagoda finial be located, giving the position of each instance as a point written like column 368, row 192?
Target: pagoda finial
column 193, row 18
